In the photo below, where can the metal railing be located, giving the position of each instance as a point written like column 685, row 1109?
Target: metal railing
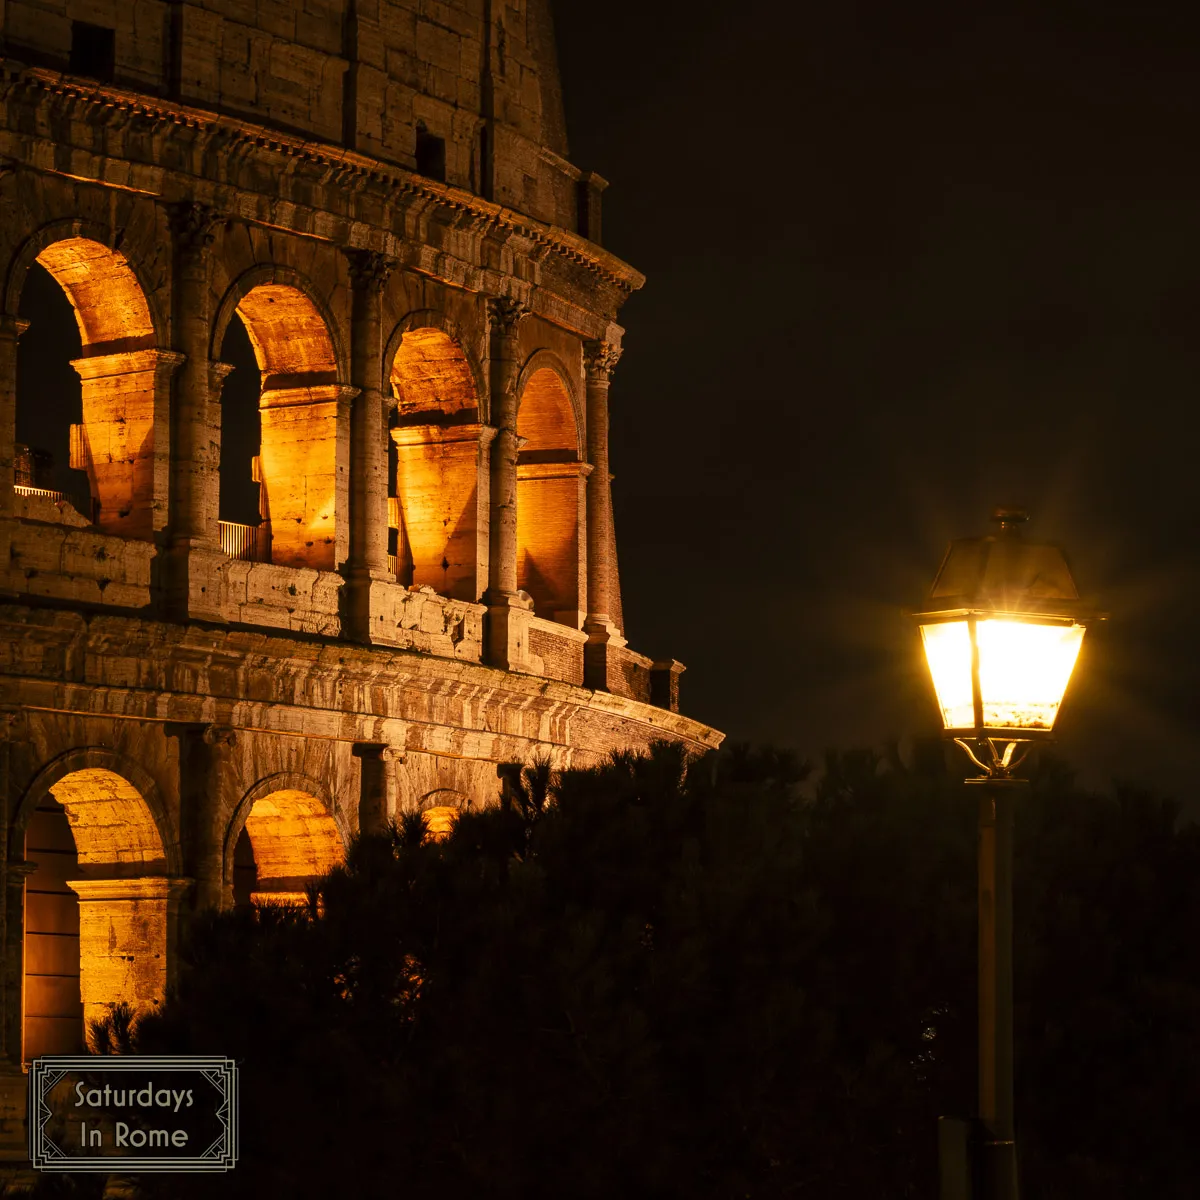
column 392, row 563
column 250, row 543
column 86, row 507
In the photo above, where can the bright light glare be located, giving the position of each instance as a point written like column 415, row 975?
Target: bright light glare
column 948, row 651
column 1024, row 670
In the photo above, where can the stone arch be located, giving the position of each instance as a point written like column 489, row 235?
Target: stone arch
column 271, row 275
column 79, row 229
column 82, row 760
column 434, row 320
column 101, row 909
column 550, row 400
column 294, row 831
column 551, row 482
column 441, row 809
column 438, row 467
column 304, row 408
column 125, row 375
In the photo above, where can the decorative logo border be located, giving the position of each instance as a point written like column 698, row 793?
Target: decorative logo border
column 46, row 1155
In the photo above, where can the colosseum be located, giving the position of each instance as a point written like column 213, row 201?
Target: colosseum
column 315, row 525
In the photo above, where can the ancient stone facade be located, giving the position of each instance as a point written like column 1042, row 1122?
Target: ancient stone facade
column 197, row 711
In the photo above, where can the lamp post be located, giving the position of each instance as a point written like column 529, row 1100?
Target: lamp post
column 1002, row 631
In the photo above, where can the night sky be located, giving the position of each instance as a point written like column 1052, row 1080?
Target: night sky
column 906, row 262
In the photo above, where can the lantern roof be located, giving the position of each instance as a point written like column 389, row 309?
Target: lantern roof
column 1003, row 573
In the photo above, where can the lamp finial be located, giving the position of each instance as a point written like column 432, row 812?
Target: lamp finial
column 1010, row 519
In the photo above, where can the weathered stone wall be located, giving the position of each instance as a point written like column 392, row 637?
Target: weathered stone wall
column 557, row 651
column 380, row 196
column 381, row 76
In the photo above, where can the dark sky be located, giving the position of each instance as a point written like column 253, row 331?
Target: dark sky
column 906, row 262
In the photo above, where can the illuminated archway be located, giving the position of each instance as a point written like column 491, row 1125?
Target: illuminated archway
column 288, row 840
column 302, row 463
column 441, row 810
column 438, row 465
column 118, row 441
column 100, row 908
column 551, row 483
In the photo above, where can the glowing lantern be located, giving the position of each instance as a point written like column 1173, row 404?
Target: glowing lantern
column 1002, row 633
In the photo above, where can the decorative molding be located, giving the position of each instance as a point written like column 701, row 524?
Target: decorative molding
column 505, row 315
column 222, row 738
column 193, row 226
column 218, row 372
column 369, row 270
column 379, row 750
column 346, row 170
column 600, row 360
column 11, row 328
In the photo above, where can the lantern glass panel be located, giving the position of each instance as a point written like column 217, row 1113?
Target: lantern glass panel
column 948, row 651
column 1024, row 669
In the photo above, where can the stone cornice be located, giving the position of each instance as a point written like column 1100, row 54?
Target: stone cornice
column 346, row 169
column 198, row 674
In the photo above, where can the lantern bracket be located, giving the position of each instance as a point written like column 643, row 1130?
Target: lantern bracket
column 997, row 764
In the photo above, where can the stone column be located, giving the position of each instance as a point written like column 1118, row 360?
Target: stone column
column 377, row 785
column 13, row 1093
column 127, row 441
column 599, row 360
column 194, row 479
column 205, row 754
column 505, row 640
column 128, row 937
column 11, row 728
column 367, row 561
column 11, row 329
column 195, row 456
column 16, row 871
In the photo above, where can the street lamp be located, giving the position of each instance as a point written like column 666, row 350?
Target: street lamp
column 1002, row 632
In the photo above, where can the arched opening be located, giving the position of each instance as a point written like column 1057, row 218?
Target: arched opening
column 289, row 840
column 284, row 434
column 550, row 500
column 99, row 909
column 436, row 480
column 91, row 392
column 53, row 1005
column 441, row 810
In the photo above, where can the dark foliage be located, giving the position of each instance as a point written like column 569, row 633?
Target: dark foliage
column 712, row 981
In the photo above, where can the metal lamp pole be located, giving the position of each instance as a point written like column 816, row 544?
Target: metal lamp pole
column 997, row 1146
column 1001, row 632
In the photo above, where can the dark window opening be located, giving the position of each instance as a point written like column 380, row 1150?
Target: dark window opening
column 49, row 392
column 241, row 429
column 431, row 155
column 245, row 871
column 93, row 50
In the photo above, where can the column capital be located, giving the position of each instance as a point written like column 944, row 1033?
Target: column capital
column 379, row 750
column 369, row 270
column 138, row 887
column 600, row 359
column 505, row 315
column 217, row 373
column 222, row 738
column 11, row 328
column 194, row 226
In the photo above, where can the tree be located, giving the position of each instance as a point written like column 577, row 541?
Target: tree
column 710, row 979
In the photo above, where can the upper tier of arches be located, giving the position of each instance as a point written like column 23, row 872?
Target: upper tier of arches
column 434, row 367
